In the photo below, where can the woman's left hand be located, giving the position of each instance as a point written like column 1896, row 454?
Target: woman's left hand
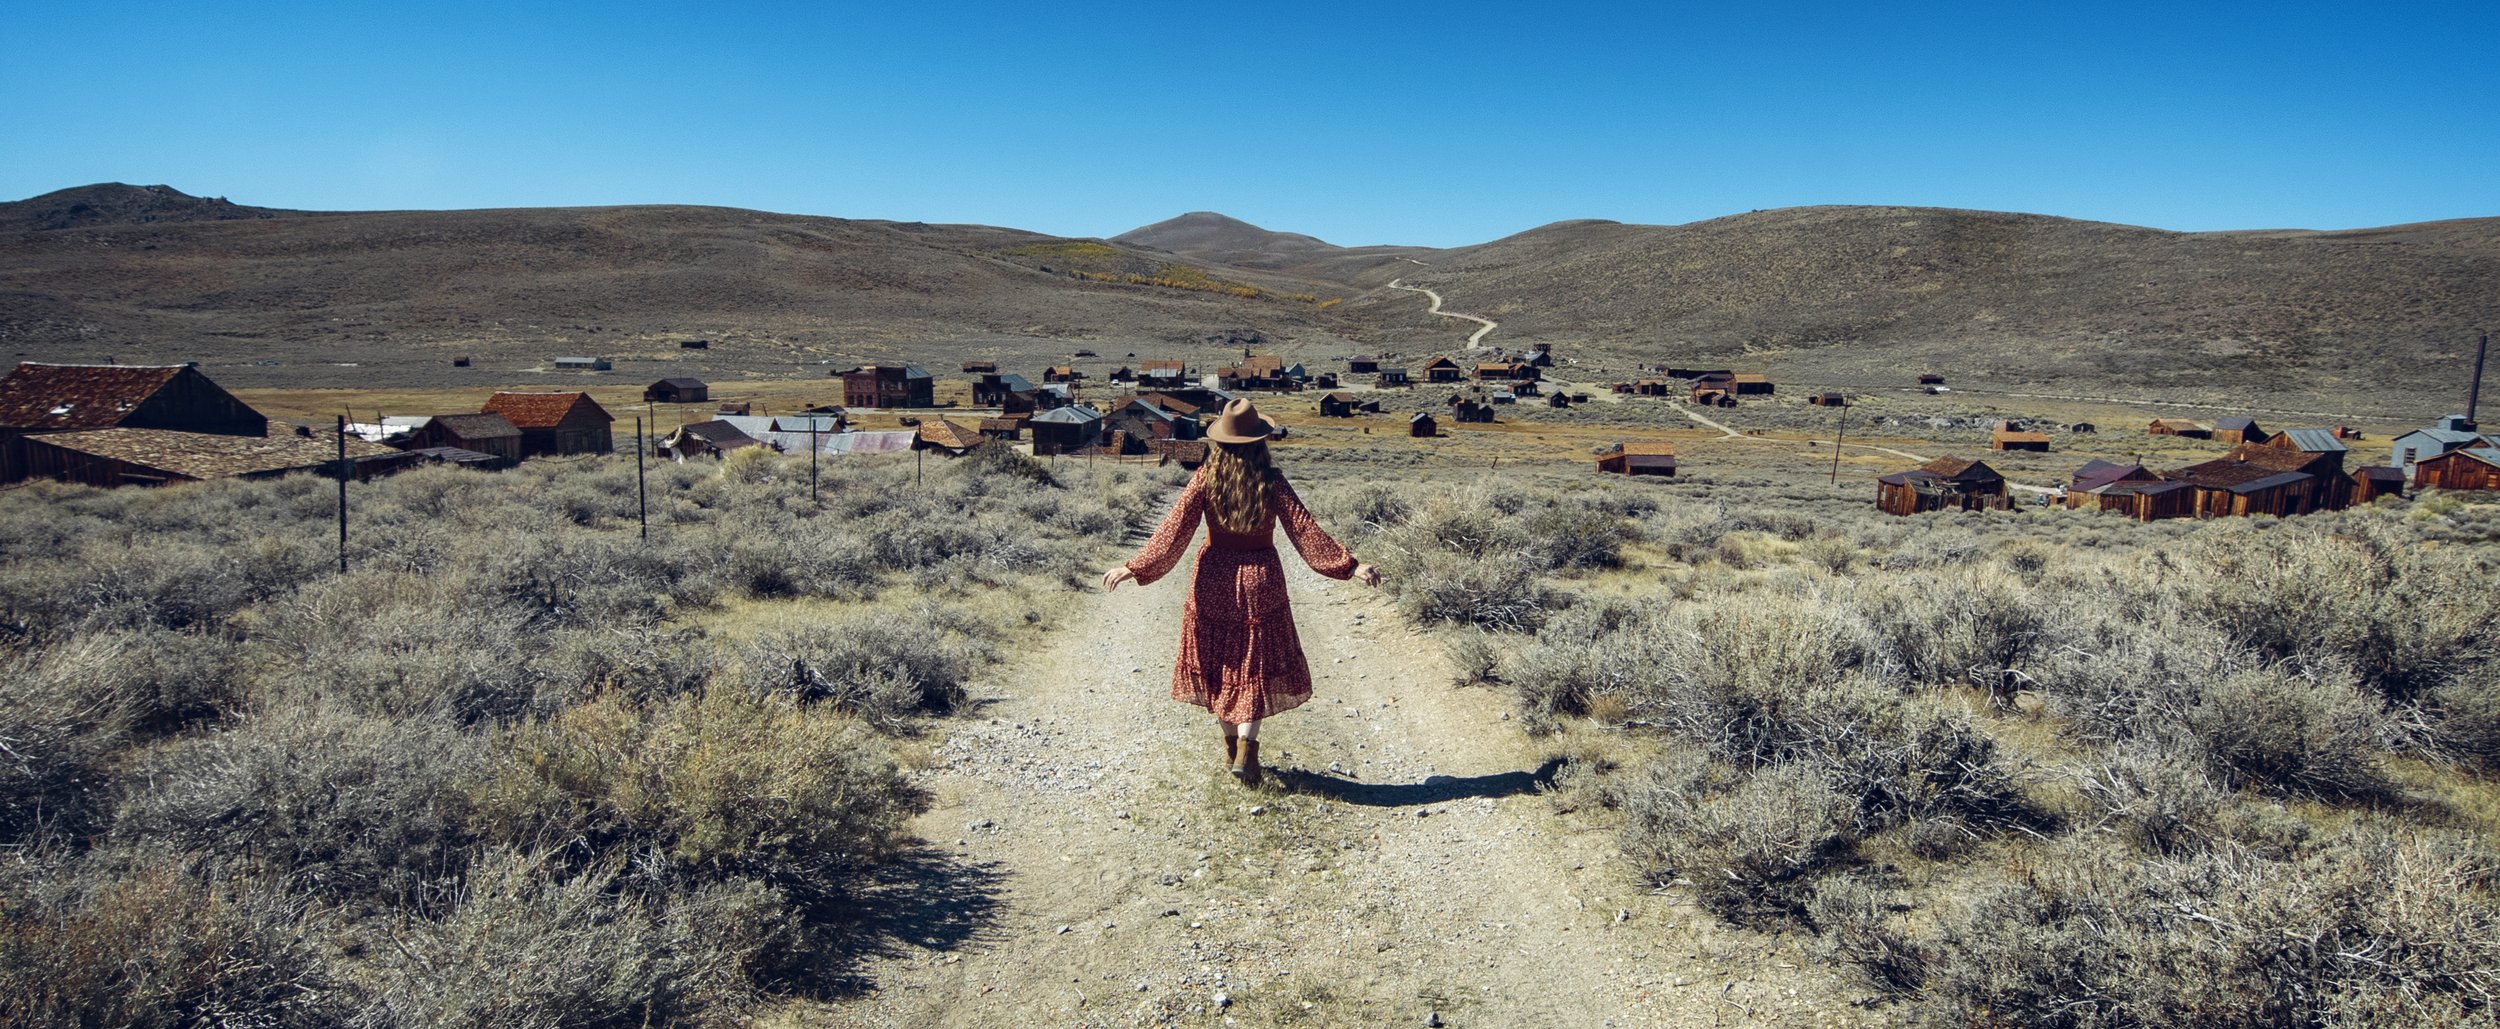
column 1367, row 575
column 1112, row 579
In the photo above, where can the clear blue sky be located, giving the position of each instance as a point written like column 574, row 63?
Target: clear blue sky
column 1434, row 124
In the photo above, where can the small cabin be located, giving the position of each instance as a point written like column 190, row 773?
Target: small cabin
column 1422, row 426
column 1944, row 484
column 1443, row 369
column 1640, row 457
column 2473, row 468
column 2180, row 427
column 1362, row 364
column 1828, row 400
column 677, row 391
column 2238, row 430
column 980, row 368
column 583, row 364
column 694, row 344
column 1337, row 405
column 1390, row 377
column 1930, row 379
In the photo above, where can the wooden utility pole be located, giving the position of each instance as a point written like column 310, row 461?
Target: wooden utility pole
column 642, row 495
column 1837, row 437
column 812, row 445
column 342, row 494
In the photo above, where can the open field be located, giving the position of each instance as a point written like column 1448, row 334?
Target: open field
column 1727, row 748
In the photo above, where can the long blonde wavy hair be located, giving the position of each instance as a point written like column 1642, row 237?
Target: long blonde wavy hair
column 1237, row 478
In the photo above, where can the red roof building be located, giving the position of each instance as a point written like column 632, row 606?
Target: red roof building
column 555, row 423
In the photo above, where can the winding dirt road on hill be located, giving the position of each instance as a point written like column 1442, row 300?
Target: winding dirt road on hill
column 1475, row 341
column 1089, row 863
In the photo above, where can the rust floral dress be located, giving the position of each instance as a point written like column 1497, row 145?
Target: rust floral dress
column 1240, row 657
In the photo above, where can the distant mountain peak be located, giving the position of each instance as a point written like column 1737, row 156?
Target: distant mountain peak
column 1210, row 232
column 120, row 203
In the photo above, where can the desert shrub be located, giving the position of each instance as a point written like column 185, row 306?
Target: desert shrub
column 156, row 946
column 1970, row 623
column 1363, row 508
column 718, row 785
column 1728, row 674
column 1500, row 591
column 1472, row 655
column 1576, row 533
column 2402, row 616
column 358, row 808
column 643, row 662
column 2376, row 927
column 57, row 743
column 2295, row 732
column 1598, row 647
column 1902, row 760
column 150, row 680
column 448, row 646
column 2154, row 800
column 1747, row 847
column 2467, row 722
column 882, row 664
column 1856, row 920
column 531, row 945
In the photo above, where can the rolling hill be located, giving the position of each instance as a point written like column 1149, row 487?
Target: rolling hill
column 1854, row 296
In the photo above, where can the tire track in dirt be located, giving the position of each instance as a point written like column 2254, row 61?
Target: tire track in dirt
column 1426, row 874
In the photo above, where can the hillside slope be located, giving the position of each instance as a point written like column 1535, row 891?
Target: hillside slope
column 409, row 289
column 1216, row 239
column 1862, row 292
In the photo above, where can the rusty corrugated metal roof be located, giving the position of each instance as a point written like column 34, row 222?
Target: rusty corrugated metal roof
column 78, row 396
column 943, row 433
column 477, row 426
column 203, row 455
column 540, row 410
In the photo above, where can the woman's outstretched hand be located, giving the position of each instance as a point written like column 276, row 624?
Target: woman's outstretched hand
column 1112, row 579
column 1365, row 574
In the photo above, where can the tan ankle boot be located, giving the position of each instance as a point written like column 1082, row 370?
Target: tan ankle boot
column 1246, row 762
column 1232, row 747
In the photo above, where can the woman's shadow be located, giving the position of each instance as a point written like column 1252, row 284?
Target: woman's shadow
column 1434, row 789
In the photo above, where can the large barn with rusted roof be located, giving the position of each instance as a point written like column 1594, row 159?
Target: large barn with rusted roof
column 41, row 399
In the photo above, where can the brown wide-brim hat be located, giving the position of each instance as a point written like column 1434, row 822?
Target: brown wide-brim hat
column 1240, row 423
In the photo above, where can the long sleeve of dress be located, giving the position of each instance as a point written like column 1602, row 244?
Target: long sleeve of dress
column 1171, row 539
column 1319, row 550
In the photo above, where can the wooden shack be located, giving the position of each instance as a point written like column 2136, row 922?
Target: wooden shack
column 583, row 364
column 2179, row 427
column 2377, row 481
column 1065, row 430
column 980, row 368
column 555, row 423
column 1930, row 379
column 1337, row 405
column 946, row 437
column 1640, row 457
column 1472, row 412
column 2330, row 488
column 2473, row 468
column 2144, row 500
column 1422, row 426
column 1362, row 364
column 713, row 439
column 1558, row 400
column 1748, row 384
column 1442, row 369
column 40, row 399
column 1944, row 484
column 2233, row 488
column 2236, row 431
column 2097, row 473
column 2010, row 434
column 489, row 434
column 1391, row 377
column 677, row 390
column 1828, row 400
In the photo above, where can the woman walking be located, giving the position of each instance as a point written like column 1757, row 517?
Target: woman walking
column 1240, row 657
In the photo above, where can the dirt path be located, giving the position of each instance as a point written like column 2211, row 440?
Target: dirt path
column 1401, row 863
column 1474, row 342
